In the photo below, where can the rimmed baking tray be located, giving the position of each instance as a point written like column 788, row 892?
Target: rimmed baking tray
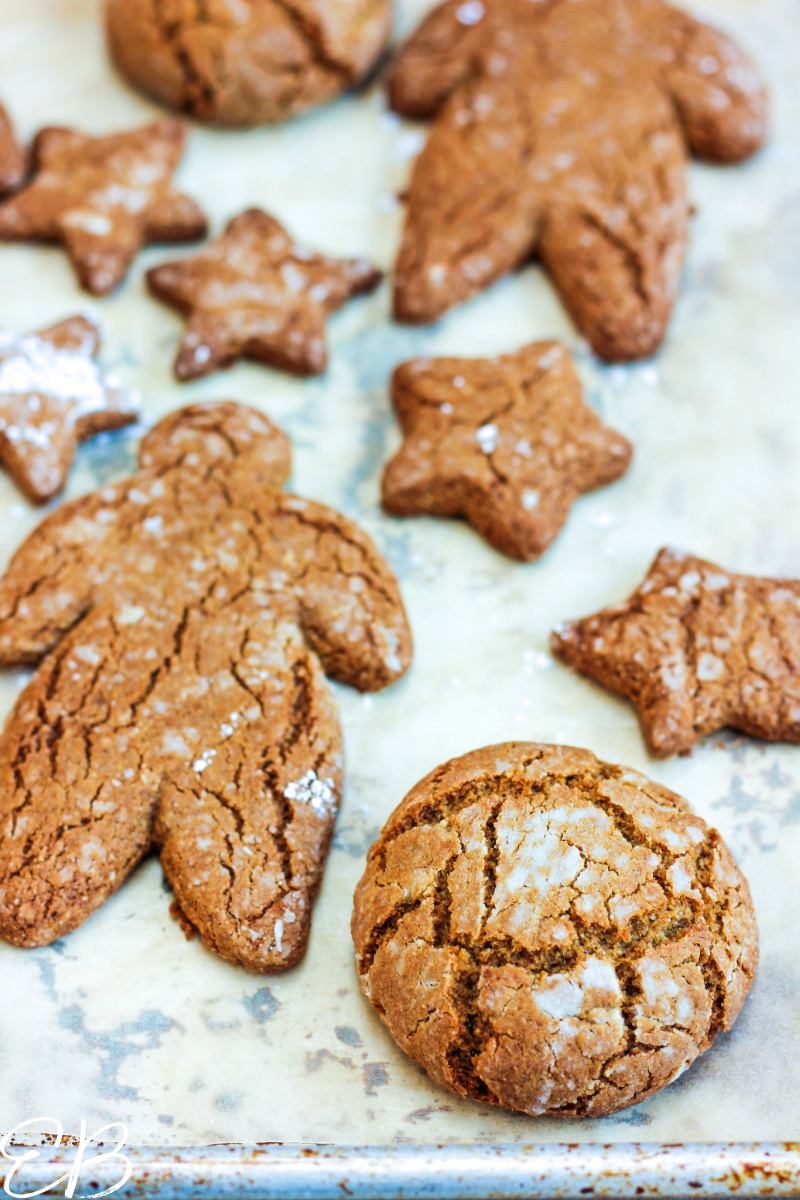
column 125, row 1020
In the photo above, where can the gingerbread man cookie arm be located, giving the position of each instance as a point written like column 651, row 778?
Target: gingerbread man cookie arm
column 720, row 99
column 48, row 584
column 437, row 58
column 350, row 607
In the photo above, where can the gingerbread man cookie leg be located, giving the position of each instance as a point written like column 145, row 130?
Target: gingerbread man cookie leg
column 561, row 129
column 13, row 164
column 696, row 648
column 183, row 619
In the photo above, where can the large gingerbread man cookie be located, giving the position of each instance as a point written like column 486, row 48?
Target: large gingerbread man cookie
column 182, row 622
column 562, row 130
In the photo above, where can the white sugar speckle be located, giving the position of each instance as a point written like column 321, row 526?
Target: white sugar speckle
column 487, row 438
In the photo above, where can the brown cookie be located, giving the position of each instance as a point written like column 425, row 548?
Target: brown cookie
column 562, row 130
column 53, row 395
column 696, row 648
column 104, row 198
column 181, row 622
column 255, row 293
column 13, row 164
column 506, row 442
column 545, row 931
column 248, row 62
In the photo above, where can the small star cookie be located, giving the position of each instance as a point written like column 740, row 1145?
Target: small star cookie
column 695, row 649
column 255, row 293
column 506, row 442
column 12, row 158
column 104, row 198
column 562, row 131
column 53, row 395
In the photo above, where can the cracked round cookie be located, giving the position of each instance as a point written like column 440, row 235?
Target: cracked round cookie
column 545, row 931
column 246, row 62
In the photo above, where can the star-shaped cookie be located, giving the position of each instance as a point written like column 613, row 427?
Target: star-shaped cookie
column 562, row 130
column 696, row 649
column 53, row 395
column 104, row 198
column 506, row 442
column 256, row 293
column 12, row 159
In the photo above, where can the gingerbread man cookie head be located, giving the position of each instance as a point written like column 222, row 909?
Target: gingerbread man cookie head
column 245, row 62
column 181, row 624
column 225, row 434
column 562, row 131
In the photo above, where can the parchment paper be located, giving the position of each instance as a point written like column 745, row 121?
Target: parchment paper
column 124, row 1019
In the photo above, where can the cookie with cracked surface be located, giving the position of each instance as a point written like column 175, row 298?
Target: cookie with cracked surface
column 13, row 164
column 506, row 442
column 246, row 62
column 256, row 293
column 53, row 395
column 696, row 649
column 180, row 624
column 561, row 131
column 546, row 931
column 104, row 198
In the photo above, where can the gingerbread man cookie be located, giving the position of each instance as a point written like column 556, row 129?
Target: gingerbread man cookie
column 562, row 130
column 180, row 624
column 104, row 198
column 697, row 648
column 53, row 395
column 552, row 933
column 506, row 442
column 256, row 293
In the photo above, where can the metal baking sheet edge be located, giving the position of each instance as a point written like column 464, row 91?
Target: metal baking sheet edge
column 282, row 1172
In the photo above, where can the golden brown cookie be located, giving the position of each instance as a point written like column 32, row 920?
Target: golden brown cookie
column 562, row 130
column 696, row 648
column 13, row 164
column 180, row 623
column 256, row 293
column 545, row 931
column 53, row 395
column 246, row 62
column 104, row 198
column 506, row 442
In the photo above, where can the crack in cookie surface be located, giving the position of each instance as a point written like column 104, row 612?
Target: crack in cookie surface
column 545, row 931
column 179, row 703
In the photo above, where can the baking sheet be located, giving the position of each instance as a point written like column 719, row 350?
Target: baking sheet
column 125, row 1020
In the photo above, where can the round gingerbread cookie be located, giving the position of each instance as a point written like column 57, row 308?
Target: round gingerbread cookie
column 245, row 62
column 545, row 931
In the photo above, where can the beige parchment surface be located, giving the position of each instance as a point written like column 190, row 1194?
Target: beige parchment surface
column 125, row 1020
